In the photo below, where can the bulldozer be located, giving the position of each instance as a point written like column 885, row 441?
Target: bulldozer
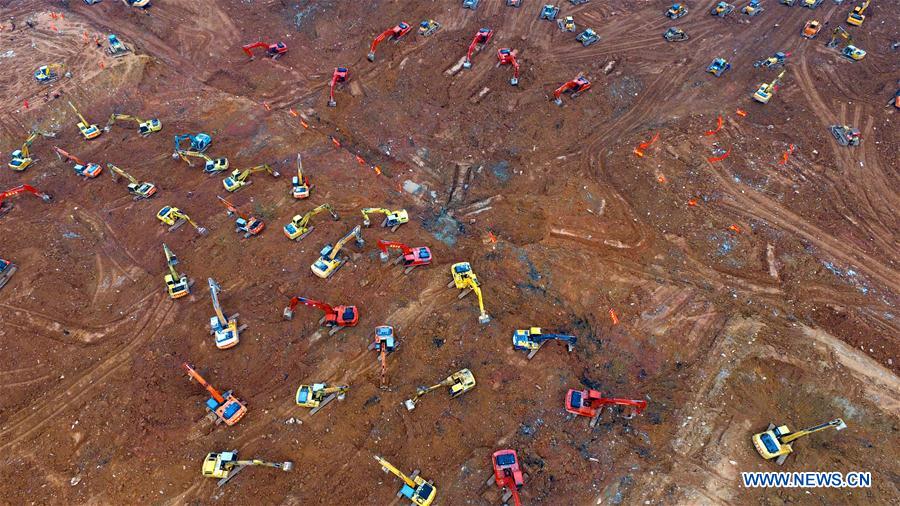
column 86, row 170
column 139, row 190
column 299, row 226
column 175, row 218
column 319, row 395
column 223, row 408
column 753, row 8
column 428, row 27
column 7, row 269
column 88, row 130
column 409, row 257
column 418, row 490
column 392, row 219
column 587, row 37
column 336, row 317
column 676, row 11
column 675, row 34
column 459, row 383
column 766, row 90
column 329, row 260
column 6, row 207
column 775, row 442
column 211, row 165
column 300, row 184
column 145, row 127
column 116, row 48
column 46, row 74
column 224, row 328
column 590, row 403
column 240, row 178
column 464, row 278
column 718, row 67
column 225, row 465
column 846, row 135
column 250, row 226
column 533, row 339
column 722, row 9
column 177, row 285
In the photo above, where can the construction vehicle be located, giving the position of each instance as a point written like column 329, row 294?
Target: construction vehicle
column 225, row 465
column 318, row 395
column 225, row 329
column 46, row 74
column 418, row 490
column 766, row 90
column 249, row 225
column 533, row 339
column 776, row 60
column 239, row 178
column 137, row 3
column 6, row 207
column 175, row 218
column 549, row 12
column 299, row 183
column 7, row 269
column 85, row 170
column 775, row 442
column 21, row 159
column 722, row 9
column 88, row 130
column 392, row 219
column 846, row 135
column 299, row 227
column 480, row 40
column 395, row 34
column 508, row 474
column 140, row 190
column 273, row 51
column 514, row 3
column 470, row 4
column 210, row 165
column 223, row 408
column 753, row 8
column 675, row 34
column 177, row 285
column 841, row 35
column 857, row 16
column 576, row 87
column 718, row 67
column 811, row 29
column 567, row 24
column 590, row 403
column 579, row 2
column 811, row 4
column 116, row 48
column 428, row 27
column 677, row 10
column 384, row 344
column 145, row 127
column 336, row 317
column 459, row 383
column 339, row 76
column 507, row 56
column 464, row 278
column 587, row 37
column 199, row 142
column 789, row 3
column 329, row 262
column 409, row 257
column 853, row 53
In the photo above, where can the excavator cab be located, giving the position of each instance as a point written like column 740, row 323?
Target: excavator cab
column 463, row 381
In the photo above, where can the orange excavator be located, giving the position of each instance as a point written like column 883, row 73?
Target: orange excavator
column 339, row 76
column 249, row 225
column 6, row 207
column 85, row 170
column 507, row 56
column 222, row 408
column 590, row 403
column 411, row 257
column 395, row 34
column 336, row 317
column 481, row 39
column 576, row 87
column 273, row 51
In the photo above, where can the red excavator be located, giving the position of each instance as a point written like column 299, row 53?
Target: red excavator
column 340, row 75
column 411, row 257
column 576, row 87
column 6, row 207
column 85, row 170
column 481, row 39
column 336, row 317
column 249, row 225
column 507, row 56
column 507, row 474
column 227, row 408
column 591, row 403
column 395, row 33
column 273, row 51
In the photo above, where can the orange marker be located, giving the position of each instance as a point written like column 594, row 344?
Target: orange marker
column 613, row 317
column 293, row 112
column 337, row 143
column 360, row 160
column 742, row 113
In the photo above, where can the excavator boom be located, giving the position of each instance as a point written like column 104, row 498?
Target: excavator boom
column 388, row 467
column 209, row 388
column 214, row 290
column 836, row 423
column 292, row 305
column 482, row 37
column 25, row 188
column 354, row 233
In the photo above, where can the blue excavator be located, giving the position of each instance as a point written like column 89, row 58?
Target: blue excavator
column 199, row 142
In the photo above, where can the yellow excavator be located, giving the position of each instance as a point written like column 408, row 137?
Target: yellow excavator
column 329, row 261
column 239, row 178
column 775, row 442
column 464, row 278
column 299, row 226
column 841, row 35
column 178, row 285
column 300, row 184
column 318, row 395
column 46, row 74
column 418, row 490
column 175, row 218
column 145, row 127
column 225, row 465
column 21, row 159
column 392, row 219
column 857, row 16
column 88, row 130
column 459, row 382
column 138, row 189
column 212, row 165
column 766, row 90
